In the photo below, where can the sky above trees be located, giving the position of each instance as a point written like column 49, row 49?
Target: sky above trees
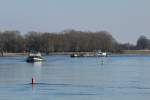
column 126, row 20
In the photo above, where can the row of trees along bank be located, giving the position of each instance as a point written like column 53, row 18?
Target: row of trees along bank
column 66, row 41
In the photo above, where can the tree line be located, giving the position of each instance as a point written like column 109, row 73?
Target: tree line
column 143, row 43
column 66, row 41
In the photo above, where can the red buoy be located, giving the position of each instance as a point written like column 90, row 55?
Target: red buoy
column 33, row 80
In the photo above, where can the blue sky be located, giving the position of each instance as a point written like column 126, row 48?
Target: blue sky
column 126, row 20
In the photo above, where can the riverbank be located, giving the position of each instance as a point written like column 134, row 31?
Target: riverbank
column 51, row 53
column 136, row 51
column 13, row 54
column 69, row 53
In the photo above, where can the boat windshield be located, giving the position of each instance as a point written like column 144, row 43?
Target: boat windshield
column 35, row 55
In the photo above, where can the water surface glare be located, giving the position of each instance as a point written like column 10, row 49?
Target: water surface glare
column 119, row 77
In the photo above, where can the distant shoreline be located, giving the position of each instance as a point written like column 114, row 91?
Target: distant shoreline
column 68, row 53
column 51, row 53
column 136, row 52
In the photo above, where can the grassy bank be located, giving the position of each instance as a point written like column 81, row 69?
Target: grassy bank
column 13, row 54
column 136, row 51
column 68, row 53
column 51, row 53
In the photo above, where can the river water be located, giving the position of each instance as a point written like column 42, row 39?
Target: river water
column 118, row 77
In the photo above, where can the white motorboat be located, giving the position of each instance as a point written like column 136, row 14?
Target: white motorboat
column 34, row 57
column 101, row 54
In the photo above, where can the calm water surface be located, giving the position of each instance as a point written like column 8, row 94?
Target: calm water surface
column 64, row 78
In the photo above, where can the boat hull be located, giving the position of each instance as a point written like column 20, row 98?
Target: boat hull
column 34, row 59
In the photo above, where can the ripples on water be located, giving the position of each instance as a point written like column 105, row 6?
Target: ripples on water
column 64, row 78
